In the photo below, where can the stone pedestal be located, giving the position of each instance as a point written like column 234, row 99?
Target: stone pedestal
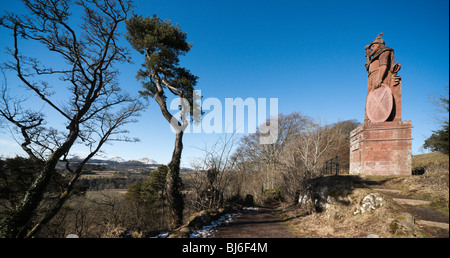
column 381, row 148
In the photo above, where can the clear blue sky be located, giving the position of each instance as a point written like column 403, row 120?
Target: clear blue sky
column 308, row 54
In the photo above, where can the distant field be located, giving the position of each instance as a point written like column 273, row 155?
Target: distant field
column 100, row 194
column 102, row 174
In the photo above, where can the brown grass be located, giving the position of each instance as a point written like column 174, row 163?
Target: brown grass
column 338, row 221
column 429, row 160
column 432, row 186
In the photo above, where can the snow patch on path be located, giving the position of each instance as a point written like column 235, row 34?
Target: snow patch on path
column 208, row 231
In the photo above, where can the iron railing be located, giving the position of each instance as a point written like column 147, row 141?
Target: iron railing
column 330, row 165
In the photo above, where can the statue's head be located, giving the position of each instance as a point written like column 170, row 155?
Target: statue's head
column 377, row 42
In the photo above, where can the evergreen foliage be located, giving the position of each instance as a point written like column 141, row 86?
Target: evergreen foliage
column 162, row 43
column 439, row 140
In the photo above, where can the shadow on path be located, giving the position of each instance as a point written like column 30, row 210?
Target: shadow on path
column 259, row 223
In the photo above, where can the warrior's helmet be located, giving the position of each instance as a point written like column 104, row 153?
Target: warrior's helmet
column 378, row 40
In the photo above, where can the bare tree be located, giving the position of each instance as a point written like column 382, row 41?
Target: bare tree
column 340, row 146
column 303, row 157
column 95, row 108
column 312, row 144
column 306, row 153
column 213, row 175
column 302, row 146
column 262, row 165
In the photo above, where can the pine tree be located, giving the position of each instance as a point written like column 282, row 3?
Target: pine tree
column 162, row 43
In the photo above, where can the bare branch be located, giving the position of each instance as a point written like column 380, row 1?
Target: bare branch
column 91, row 112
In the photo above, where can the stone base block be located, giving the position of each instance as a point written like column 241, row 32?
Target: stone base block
column 381, row 148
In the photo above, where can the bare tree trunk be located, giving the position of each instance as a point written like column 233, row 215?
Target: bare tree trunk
column 18, row 220
column 91, row 81
column 174, row 184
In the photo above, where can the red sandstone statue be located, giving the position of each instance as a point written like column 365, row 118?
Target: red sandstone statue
column 384, row 85
column 382, row 144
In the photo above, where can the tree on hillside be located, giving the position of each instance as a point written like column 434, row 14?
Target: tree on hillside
column 341, row 144
column 263, row 164
column 439, row 140
column 82, row 90
column 16, row 176
column 162, row 43
column 213, row 178
column 302, row 147
column 151, row 189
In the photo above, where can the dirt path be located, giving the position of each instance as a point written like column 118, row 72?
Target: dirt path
column 266, row 222
column 415, row 207
column 259, row 223
column 427, row 218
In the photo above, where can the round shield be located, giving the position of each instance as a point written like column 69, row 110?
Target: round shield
column 379, row 104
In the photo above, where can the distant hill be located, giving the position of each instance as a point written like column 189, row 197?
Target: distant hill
column 117, row 159
column 146, row 161
column 115, row 163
